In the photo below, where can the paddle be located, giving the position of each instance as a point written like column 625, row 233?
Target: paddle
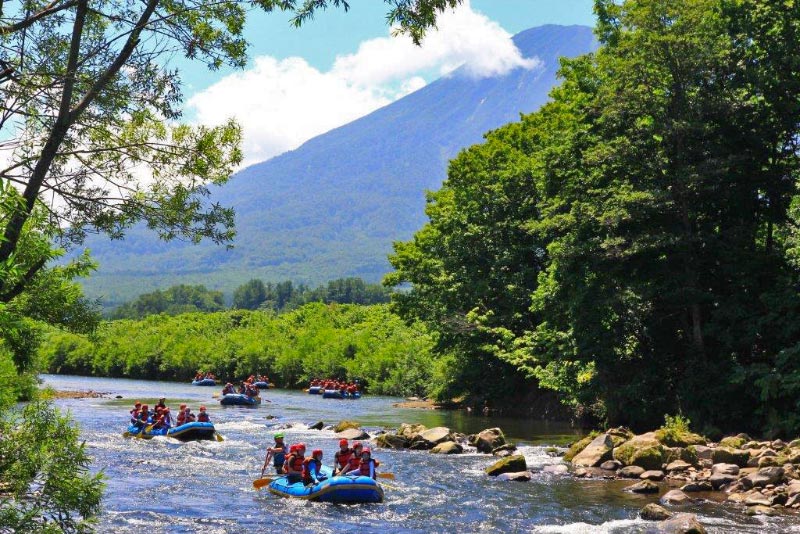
column 218, row 436
column 144, row 429
column 261, row 482
column 389, row 476
column 215, row 396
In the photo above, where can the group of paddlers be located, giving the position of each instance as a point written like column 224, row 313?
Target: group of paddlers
column 161, row 416
column 200, row 375
column 338, row 385
column 348, row 461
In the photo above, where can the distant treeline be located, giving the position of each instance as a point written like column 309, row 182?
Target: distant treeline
column 316, row 340
column 251, row 295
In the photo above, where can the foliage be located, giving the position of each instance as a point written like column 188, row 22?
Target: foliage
column 286, row 296
column 44, row 473
column 172, row 301
column 634, row 240
column 315, row 340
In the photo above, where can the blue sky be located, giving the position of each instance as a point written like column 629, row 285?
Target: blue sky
column 301, row 82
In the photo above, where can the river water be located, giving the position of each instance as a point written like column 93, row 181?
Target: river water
column 161, row 485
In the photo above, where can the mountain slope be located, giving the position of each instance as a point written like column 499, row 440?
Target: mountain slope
column 333, row 207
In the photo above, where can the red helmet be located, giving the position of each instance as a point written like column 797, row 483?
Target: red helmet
column 343, row 443
column 144, row 406
column 138, row 403
column 293, row 448
column 301, row 446
column 183, row 406
column 357, row 444
column 316, row 452
column 366, row 451
column 202, row 408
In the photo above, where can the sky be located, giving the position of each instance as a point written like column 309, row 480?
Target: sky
column 302, row 82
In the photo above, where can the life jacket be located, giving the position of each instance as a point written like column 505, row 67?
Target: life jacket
column 293, row 461
column 202, row 417
column 363, row 468
column 342, row 458
column 181, row 419
column 307, row 470
column 354, row 462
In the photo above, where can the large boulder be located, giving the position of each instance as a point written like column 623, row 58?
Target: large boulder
column 724, row 469
column 392, row 441
column 345, row 425
column 437, row 435
column 645, row 486
column 595, row 453
column 654, row 512
column 734, row 442
column 512, row 464
column 448, row 447
column 726, row 455
column 409, row 431
column 702, row 452
column 764, row 476
column 674, row 438
column 487, row 440
column 643, row 450
column 681, row 524
column 686, row 454
column 522, row 476
column 719, row 480
column 352, row 433
column 319, row 425
column 630, row 471
column 675, row 497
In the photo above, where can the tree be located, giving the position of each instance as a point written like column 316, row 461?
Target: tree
column 250, row 295
column 90, row 110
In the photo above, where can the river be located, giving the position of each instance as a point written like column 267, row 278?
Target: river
column 162, row 485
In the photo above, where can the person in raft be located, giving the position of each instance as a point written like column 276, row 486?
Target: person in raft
column 366, row 468
column 293, row 467
column 228, row 389
column 354, row 461
column 278, row 454
column 143, row 418
column 342, row 456
column 311, row 468
column 135, row 412
column 203, row 417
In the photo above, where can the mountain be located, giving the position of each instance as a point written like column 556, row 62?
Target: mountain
column 332, row 207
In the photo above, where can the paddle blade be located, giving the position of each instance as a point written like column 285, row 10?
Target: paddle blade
column 389, row 476
column 261, row 482
column 218, row 437
column 215, row 396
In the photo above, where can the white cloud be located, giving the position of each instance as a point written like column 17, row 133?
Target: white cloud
column 283, row 103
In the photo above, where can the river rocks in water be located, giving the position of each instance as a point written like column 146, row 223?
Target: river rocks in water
column 757, row 499
column 487, row 440
column 410, row 432
column 118, row 397
column 508, row 447
column 734, row 442
column 595, row 453
column 702, row 452
column 511, row 464
column 392, row 441
column 448, row 447
column 675, row 497
column 697, row 485
column 764, row 476
column 630, row 471
column 681, row 524
column 522, row 476
column 643, row 450
column 720, row 480
column 725, row 455
column 724, row 469
column 759, row 510
column 434, row 436
column 654, row 474
column 654, row 512
column 556, row 469
column 319, row 425
column 645, row 486
column 610, row 465
column 686, row 454
column 678, row 466
column 345, row 425
column 352, row 433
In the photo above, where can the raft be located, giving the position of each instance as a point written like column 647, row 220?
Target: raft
column 188, row 432
column 314, row 390
column 204, row 382
column 345, row 490
column 262, row 385
column 239, row 399
column 337, row 394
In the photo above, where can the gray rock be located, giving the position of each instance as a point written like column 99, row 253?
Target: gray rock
column 725, row 455
column 487, row 440
column 352, row 433
column 645, row 486
column 717, row 481
column 502, row 453
column 724, row 469
column 437, row 435
column 522, row 476
column 392, row 441
column 681, row 524
column 703, row 452
column 556, row 469
column 630, row 471
column 652, row 475
column 759, row 510
column 610, row 465
column 654, row 512
column 757, row 499
column 447, row 447
column 677, row 466
column 698, row 485
column 512, row 464
column 319, row 425
column 597, row 452
column 764, row 476
column 675, row 497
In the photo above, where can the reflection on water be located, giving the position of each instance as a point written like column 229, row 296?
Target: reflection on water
column 161, row 485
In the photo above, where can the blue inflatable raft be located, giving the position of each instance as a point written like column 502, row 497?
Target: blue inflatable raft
column 188, row 432
column 344, row 490
column 337, row 394
column 262, row 385
column 204, row 382
column 314, row 390
column 238, row 399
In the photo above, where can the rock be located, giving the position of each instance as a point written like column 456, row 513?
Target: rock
column 724, row 469
column 502, row 453
column 757, row 499
column 778, row 444
column 345, row 425
column 675, row 497
column 508, row 447
column 717, row 481
column 792, row 501
column 702, row 452
column 595, row 453
column 556, row 469
column 392, row 441
column 765, row 452
column 319, row 425
column 352, row 433
column 436, row 435
column 794, row 443
column 512, row 464
column 654, row 512
column 759, row 510
column 645, row 486
column 410, row 431
column 733, row 442
column 793, row 488
column 767, row 461
column 687, row 454
column 578, row 446
column 522, row 476
column 679, row 439
column 652, row 475
column 488, row 440
column 681, row 524
column 118, row 397
column 448, row 447
column 737, row 497
column 778, row 499
column 631, row 471
column 610, row 465
column 764, row 476
column 643, row 450
column 698, row 485
column 677, row 466
column 725, row 455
